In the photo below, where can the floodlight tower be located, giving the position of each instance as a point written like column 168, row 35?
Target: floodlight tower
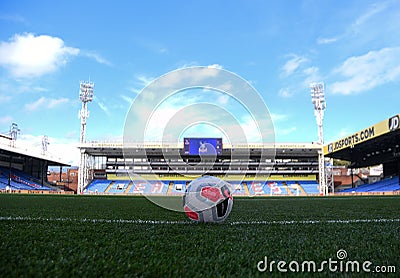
column 45, row 143
column 85, row 95
column 14, row 132
column 318, row 99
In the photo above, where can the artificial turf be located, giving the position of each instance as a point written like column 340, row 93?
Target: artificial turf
column 92, row 236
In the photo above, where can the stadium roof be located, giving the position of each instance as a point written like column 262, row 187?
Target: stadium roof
column 116, row 148
column 7, row 151
column 373, row 145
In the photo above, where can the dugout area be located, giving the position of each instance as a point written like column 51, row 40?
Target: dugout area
column 377, row 144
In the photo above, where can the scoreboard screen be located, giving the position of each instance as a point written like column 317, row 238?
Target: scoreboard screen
column 202, row 146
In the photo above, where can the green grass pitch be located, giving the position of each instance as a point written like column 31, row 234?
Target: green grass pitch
column 93, row 236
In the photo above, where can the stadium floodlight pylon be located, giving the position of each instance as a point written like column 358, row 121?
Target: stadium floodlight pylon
column 86, row 89
column 329, row 171
column 14, row 132
column 45, row 143
column 318, row 99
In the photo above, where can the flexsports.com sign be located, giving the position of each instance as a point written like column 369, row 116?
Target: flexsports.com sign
column 371, row 132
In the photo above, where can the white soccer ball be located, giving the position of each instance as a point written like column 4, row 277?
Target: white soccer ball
column 208, row 199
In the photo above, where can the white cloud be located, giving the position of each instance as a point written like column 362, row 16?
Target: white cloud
column 375, row 9
column 56, row 102
column 163, row 50
column 292, row 65
column 215, row 66
column 27, row 55
column 141, row 81
column 144, row 80
column 44, row 102
column 285, row 131
column 166, row 110
column 153, row 46
column 278, row 117
column 365, row 72
column 97, row 57
column 181, row 78
column 360, row 24
column 182, row 65
column 72, row 134
column 304, row 77
column 327, row 40
column 101, row 105
column 166, row 115
column 36, row 104
column 312, row 75
column 285, row 93
column 13, row 18
column 128, row 99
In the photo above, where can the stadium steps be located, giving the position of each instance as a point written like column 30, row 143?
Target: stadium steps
column 246, row 189
column 303, row 192
column 109, row 187
column 289, row 191
column 129, row 187
column 170, row 187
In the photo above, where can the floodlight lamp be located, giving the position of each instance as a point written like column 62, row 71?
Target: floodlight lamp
column 86, row 91
column 318, row 96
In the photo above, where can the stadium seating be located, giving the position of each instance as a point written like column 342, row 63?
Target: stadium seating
column 13, row 185
column 310, row 187
column 149, row 187
column 386, row 185
column 178, row 187
column 98, row 186
column 239, row 189
column 19, row 180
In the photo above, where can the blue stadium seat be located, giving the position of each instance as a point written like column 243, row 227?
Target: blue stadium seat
column 386, row 185
column 97, row 186
column 119, row 187
column 21, row 180
column 310, row 187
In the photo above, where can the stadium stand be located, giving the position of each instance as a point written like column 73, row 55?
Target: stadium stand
column 292, row 168
column 386, row 185
column 20, row 180
column 173, row 187
column 23, row 171
column 374, row 145
column 98, row 186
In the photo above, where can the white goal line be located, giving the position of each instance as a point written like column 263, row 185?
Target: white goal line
column 171, row 222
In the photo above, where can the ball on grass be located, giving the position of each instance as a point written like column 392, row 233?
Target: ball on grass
column 208, row 199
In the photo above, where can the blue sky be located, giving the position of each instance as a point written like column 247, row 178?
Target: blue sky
column 48, row 47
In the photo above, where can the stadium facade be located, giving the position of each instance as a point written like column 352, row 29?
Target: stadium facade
column 253, row 169
column 167, row 168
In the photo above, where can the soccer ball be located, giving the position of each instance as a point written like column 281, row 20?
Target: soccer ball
column 208, row 199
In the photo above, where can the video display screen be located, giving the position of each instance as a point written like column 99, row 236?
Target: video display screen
column 202, row 146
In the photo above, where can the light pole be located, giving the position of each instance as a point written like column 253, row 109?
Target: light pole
column 45, row 143
column 14, row 132
column 85, row 95
column 318, row 99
